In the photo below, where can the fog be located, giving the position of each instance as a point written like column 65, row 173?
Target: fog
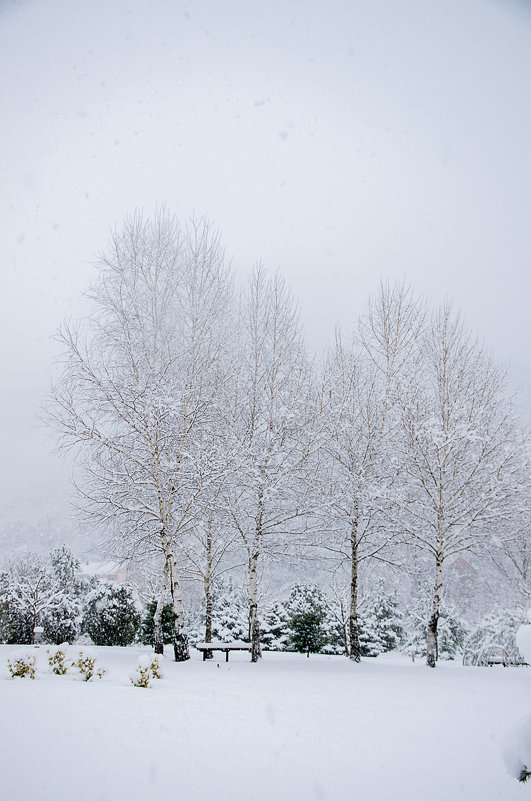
column 337, row 142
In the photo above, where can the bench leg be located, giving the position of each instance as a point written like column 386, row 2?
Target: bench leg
column 204, row 656
column 226, row 656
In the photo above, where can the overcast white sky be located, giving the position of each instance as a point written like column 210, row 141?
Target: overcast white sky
column 336, row 141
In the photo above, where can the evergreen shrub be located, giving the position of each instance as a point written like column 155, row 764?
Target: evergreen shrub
column 112, row 616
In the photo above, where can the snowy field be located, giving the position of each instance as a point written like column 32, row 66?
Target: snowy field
column 287, row 728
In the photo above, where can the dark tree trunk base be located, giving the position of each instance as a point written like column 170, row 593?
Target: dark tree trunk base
column 355, row 646
column 256, row 650
column 431, row 642
column 159, row 647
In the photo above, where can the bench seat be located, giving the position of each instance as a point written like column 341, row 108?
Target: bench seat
column 226, row 647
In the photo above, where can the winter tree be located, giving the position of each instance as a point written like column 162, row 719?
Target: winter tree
column 138, row 399
column 274, row 632
column 459, row 453
column 62, row 620
column 272, row 428
column 307, row 619
column 112, row 615
column 359, row 408
column 32, row 593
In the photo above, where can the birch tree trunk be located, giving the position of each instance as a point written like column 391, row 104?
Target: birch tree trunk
column 157, row 617
column 207, row 582
column 254, row 626
column 355, row 649
column 431, row 636
column 180, row 638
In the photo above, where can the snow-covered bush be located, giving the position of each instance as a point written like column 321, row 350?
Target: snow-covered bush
column 112, row 615
column 86, row 664
column 156, row 667
column 142, row 677
column 57, row 661
column 517, row 750
column 495, row 637
column 21, row 666
column 62, row 623
column 149, row 668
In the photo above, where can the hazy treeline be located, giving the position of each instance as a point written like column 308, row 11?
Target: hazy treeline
column 206, row 438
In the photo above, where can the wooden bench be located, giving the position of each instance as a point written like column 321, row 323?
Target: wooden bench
column 226, row 647
column 507, row 660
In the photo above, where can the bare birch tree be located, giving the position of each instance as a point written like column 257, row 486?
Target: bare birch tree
column 460, row 453
column 359, row 399
column 139, row 388
column 271, row 425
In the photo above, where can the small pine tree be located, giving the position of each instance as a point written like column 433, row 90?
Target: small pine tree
column 230, row 617
column 307, row 631
column 274, row 631
column 147, row 636
column 371, row 643
column 380, row 621
column 62, row 621
column 6, row 623
column 307, row 619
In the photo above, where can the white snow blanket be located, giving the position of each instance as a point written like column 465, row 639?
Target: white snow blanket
column 286, row 728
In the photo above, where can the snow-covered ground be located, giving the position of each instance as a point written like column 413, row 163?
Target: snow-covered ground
column 286, row 728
